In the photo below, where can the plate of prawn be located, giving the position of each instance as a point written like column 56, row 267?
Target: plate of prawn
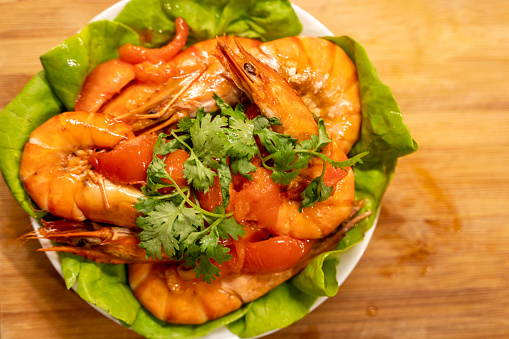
column 308, row 84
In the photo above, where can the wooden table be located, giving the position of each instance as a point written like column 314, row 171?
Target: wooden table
column 438, row 264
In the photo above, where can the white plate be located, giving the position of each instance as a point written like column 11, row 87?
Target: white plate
column 348, row 260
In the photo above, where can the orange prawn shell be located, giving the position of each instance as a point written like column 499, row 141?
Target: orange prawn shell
column 324, row 77
column 190, row 301
column 324, row 216
column 58, row 177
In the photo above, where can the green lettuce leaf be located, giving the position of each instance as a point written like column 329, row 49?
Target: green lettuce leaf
column 35, row 104
column 68, row 64
column 71, row 266
column 265, row 20
column 318, row 278
column 383, row 132
column 102, row 285
column 149, row 20
column 280, row 307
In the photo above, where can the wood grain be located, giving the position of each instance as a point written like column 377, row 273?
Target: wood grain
column 438, row 263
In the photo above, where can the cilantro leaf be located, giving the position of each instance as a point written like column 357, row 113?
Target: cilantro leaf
column 155, row 173
column 316, row 191
column 144, row 206
column 284, row 178
column 241, row 136
column 323, row 137
column 211, row 249
column 197, row 174
column 227, row 110
column 209, row 139
column 229, row 227
column 349, row 162
column 206, row 269
column 273, row 141
column 260, row 122
column 157, row 231
column 240, row 133
column 243, row 166
column 225, row 178
column 186, row 123
column 164, row 146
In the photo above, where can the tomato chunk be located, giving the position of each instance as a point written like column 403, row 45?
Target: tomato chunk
column 252, row 111
column 175, row 166
column 259, row 200
column 213, row 198
column 254, row 234
column 237, row 251
column 105, row 80
column 333, row 175
column 127, row 163
column 274, row 254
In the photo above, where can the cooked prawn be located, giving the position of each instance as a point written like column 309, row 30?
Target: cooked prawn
column 196, row 76
column 276, row 98
column 57, row 175
column 325, row 79
column 105, row 80
column 173, row 294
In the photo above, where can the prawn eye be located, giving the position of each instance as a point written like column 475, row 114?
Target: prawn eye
column 249, row 68
column 81, row 243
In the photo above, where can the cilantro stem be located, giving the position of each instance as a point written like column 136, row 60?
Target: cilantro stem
column 181, row 141
column 214, row 224
column 267, row 158
column 198, row 208
column 323, row 169
column 319, row 155
column 264, row 160
column 170, row 195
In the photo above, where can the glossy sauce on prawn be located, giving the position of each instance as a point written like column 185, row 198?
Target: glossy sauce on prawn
column 284, row 80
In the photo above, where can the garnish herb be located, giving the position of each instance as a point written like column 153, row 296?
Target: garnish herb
column 176, row 225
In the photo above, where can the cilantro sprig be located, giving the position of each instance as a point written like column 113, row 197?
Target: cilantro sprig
column 176, row 225
column 179, row 229
column 289, row 157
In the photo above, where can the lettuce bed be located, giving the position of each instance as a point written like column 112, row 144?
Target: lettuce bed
column 55, row 89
